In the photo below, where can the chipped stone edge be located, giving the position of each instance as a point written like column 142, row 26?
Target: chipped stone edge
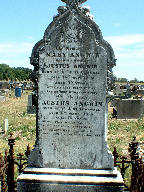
column 70, row 176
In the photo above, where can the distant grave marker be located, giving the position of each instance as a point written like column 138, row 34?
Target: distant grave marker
column 5, row 126
column 129, row 108
column 2, row 98
column 31, row 109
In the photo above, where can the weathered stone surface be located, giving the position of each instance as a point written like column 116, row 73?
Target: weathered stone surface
column 74, row 64
column 140, row 92
column 32, row 187
column 31, row 109
column 2, row 98
column 68, row 180
column 129, row 108
column 3, row 85
column 74, row 1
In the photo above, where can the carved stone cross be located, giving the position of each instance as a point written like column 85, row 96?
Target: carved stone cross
column 77, row 2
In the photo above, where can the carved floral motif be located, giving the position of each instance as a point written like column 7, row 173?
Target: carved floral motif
column 78, row 2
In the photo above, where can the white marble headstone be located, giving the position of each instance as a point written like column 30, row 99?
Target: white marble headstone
column 73, row 67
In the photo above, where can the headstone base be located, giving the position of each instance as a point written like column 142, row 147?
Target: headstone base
column 69, row 180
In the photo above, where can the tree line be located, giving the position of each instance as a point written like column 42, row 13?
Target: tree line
column 12, row 73
column 21, row 73
column 125, row 80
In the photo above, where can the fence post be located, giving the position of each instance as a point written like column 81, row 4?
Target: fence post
column 142, row 187
column 115, row 154
column 27, row 152
column 140, row 174
column 3, row 171
column 133, row 146
column 3, row 184
column 10, row 170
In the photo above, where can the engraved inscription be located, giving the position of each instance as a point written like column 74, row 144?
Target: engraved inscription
column 72, row 87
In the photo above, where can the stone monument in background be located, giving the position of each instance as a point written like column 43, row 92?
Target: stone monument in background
column 72, row 75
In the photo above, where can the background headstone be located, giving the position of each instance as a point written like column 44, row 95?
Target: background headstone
column 3, row 85
column 2, row 98
column 31, row 109
column 5, row 126
column 129, row 108
column 117, row 91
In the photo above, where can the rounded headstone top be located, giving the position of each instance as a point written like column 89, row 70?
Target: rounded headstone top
column 74, row 1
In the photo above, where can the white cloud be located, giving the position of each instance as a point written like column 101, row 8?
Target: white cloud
column 29, row 37
column 128, row 49
column 125, row 40
column 16, row 54
column 14, row 47
column 128, row 46
column 129, row 52
column 117, row 24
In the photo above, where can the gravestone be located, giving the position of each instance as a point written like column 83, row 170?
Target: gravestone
column 31, row 109
column 141, row 86
column 5, row 126
column 117, row 90
column 3, row 85
column 72, row 75
column 140, row 92
column 129, row 108
column 2, row 98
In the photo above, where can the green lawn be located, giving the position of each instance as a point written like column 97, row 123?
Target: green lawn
column 22, row 125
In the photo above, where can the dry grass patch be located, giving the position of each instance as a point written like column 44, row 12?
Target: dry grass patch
column 21, row 124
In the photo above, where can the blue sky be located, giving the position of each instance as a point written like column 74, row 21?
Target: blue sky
column 23, row 22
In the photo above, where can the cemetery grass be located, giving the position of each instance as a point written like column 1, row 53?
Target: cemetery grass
column 22, row 125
